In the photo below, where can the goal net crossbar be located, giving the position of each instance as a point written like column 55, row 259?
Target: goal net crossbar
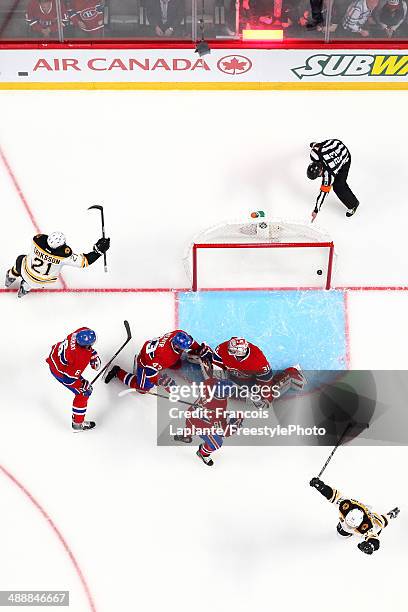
column 262, row 245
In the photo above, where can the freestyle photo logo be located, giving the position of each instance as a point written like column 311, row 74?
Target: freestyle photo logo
column 353, row 65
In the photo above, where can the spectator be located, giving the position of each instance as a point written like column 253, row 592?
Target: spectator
column 289, row 14
column 87, row 15
column 42, row 17
column 259, row 12
column 314, row 16
column 391, row 16
column 317, row 14
column 358, row 16
column 296, row 15
column 165, row 16
column 231, row 17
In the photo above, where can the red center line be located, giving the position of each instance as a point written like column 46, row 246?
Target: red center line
column 57, row 532
column 23, row 199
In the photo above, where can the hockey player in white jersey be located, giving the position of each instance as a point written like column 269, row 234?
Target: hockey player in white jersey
column 356, row 518
column 48, row 254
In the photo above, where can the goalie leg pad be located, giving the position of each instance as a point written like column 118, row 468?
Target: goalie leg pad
column 291, row 378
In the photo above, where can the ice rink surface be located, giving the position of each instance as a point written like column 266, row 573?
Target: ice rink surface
column 126, row 525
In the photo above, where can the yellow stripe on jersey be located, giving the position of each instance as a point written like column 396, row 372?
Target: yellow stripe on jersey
column 41, row 280
column 335, row 497
column 379, row 519
column 362, row 507
column 52, row 254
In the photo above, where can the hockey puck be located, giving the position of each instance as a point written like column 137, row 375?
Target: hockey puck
column 319, row 272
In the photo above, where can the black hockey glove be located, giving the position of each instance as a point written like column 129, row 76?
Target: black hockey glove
column 102, row 245
column 316, row 483
column 324, row 489
column 367, row 547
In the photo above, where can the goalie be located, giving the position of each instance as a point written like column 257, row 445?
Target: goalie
column 246, row 365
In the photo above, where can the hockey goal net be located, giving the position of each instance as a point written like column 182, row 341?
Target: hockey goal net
column 260, row 253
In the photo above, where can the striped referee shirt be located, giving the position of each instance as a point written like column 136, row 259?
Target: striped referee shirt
column 333, row 154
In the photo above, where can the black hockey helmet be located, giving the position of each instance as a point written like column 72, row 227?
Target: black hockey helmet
column 314, row 170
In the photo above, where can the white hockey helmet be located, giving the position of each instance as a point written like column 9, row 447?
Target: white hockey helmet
column 354, row 518
column 238, row 346
column 55, row 240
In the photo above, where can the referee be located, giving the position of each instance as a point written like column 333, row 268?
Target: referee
column 331, row 160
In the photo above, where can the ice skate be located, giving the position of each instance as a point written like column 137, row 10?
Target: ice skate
column 24, row 289
column 84, row 426
column 112, row 374
column 9, row 279
column 351, row 211
column 204, row 459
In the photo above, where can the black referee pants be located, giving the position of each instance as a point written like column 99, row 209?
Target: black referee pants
column 341, row 188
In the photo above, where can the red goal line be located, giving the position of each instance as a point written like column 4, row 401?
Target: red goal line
column 187, row 289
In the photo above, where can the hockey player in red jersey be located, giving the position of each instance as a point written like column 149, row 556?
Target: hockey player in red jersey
column 67, row 360
column 209, row 419
column 245, row 364
column 42, row 17
column 155, row 356
column 87, row 15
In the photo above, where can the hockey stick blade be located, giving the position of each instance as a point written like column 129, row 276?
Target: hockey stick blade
column 100, row 208
column 120, row 349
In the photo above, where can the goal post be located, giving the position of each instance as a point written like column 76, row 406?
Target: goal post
column 261, row 255
column 283, row 245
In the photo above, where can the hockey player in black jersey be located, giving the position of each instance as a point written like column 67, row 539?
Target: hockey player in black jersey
column 331, row 160
column 356, row 518
column 42, row 266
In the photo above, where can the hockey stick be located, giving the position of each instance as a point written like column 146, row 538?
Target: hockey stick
column 128, row 338
column 343, row 435
column 100, row 208
column 127, row 391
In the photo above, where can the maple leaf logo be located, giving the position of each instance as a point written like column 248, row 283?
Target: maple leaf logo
column 234, row 64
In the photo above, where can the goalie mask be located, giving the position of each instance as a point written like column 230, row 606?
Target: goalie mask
column 238, row 347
